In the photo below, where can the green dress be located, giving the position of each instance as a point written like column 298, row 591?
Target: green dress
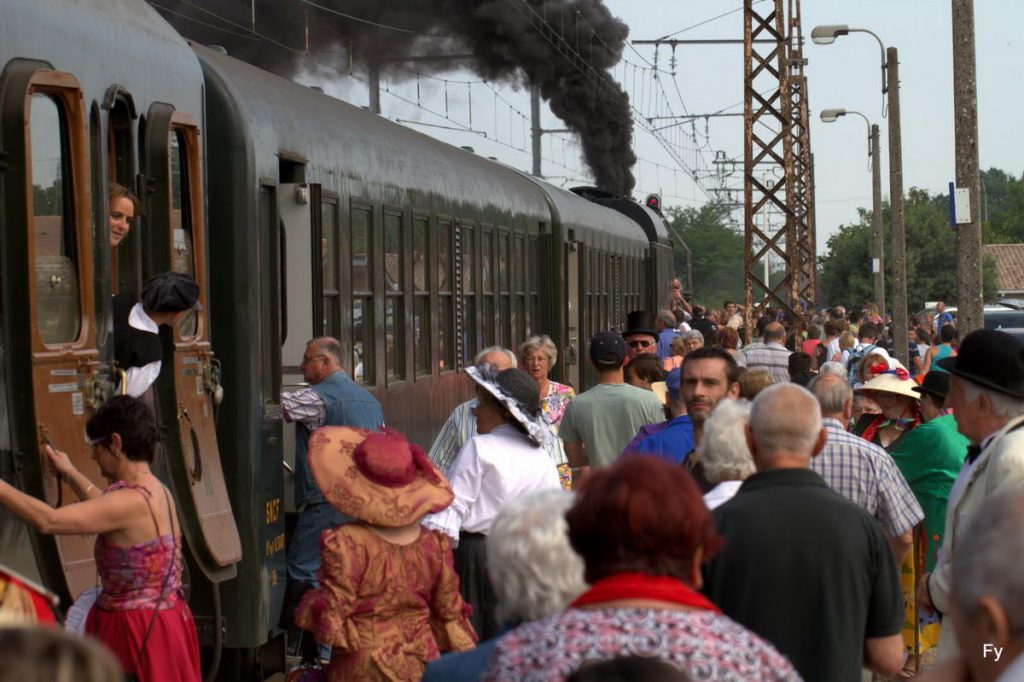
column 930, row 457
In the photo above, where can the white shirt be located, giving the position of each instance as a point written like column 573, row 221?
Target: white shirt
column 1015, row 671
column 491, row 470
column 721, row 493
column 139, row 379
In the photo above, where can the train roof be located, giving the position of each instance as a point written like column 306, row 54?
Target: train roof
column 587, row 216
column 113, row 42
column 285, row 115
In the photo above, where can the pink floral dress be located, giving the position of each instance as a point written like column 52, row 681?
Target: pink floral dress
column 553, row 407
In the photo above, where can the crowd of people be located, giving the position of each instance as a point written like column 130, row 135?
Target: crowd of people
column 802, row 506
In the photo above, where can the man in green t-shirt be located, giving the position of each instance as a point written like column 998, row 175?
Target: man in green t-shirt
column 601, row 421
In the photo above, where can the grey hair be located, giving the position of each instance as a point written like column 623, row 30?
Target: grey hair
column 723, row 448
column 496, row 349
column 785, row 418
column 544, row 343
column 832, row 394
column 693, row 334
column 534, row 570
column 987, row 558
column 832, row 367
column 328, row 345
column 1004, row 406
column 667, row 318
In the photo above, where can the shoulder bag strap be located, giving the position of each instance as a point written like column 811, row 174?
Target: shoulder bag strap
column 167, row 578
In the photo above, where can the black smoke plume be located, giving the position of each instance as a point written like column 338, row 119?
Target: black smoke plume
column 500, row 38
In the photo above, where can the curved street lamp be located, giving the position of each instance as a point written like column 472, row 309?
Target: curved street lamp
column 826, row 34
column 831, row 116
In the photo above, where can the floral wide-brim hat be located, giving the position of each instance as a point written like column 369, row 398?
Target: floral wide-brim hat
column 377, row 477
column 518, row 393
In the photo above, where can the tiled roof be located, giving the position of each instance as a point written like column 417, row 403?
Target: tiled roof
column 1009, row 260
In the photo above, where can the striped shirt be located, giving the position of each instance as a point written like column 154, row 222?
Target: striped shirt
column 304, row 405
column 865, row 474
column 457, row 430
column 461, row 426
column 773, row 357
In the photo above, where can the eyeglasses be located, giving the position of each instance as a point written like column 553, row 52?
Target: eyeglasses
column 640, row 343
column 306, row 361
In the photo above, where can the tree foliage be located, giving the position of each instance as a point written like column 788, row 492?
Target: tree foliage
column 846, row 276
column 717, row 252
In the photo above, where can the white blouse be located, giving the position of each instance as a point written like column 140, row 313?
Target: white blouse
column 491, row 470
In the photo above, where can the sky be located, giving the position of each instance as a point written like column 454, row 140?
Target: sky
column 459, row 109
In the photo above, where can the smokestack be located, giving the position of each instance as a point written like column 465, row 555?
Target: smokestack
column 502, row 35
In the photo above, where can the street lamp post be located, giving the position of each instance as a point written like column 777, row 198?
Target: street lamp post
column 830, row 116
column 826, row 35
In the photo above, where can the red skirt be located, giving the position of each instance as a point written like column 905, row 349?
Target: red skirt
column 171, row 653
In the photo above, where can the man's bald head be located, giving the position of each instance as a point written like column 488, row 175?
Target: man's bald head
column 774, row 332
column 785, row 423
column 833, row 393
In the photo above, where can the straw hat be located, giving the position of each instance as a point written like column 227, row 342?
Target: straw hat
column 892, row 381
column 517, row 391
column 376, row 477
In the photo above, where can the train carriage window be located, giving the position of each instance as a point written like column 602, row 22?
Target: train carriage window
column 505, row 301
column 446, row 295
column 394, row 314
column 329, row 265
column 519, row 267
column 469, row 344
column 58, row 309
column 487, row 286
column 533, row 282
column 363, row 359
column 183, row 245
column 421, row 294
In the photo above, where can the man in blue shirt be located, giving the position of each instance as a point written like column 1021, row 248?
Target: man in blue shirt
column 942, row 316
column 331, row 399
column 674, row 441
column 665, row 324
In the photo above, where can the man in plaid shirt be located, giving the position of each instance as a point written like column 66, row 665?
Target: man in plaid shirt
column 861, row 471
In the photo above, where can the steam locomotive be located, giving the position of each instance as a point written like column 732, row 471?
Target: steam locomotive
column 299, row 215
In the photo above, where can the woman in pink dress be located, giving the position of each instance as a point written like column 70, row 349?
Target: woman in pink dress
column 140, row 613
column 538, row 355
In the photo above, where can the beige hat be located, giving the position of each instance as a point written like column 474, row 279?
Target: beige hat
column 891, row 382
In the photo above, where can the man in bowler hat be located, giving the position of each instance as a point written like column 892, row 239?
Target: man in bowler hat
column 137, row 349
column 986, row 392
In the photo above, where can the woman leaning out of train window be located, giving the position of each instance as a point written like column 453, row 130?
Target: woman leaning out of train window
column 538, row 355
column 388, row 600
column 140, row 613
column 124, row 207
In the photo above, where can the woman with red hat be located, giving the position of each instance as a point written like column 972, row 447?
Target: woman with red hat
column 388, row 600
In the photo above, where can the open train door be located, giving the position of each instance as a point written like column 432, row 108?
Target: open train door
column 174, row 238
column 49, row 338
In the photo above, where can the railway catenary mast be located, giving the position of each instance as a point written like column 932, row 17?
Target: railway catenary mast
column 803, row 161
column 769, row 165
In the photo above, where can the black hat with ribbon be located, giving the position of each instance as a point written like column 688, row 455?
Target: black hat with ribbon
column 991, row 359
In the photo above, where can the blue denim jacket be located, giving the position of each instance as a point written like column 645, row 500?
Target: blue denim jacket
column 347, row 404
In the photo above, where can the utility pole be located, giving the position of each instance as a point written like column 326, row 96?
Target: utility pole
column 801, row 200
column 970, row 302
column 373, row 81
column 900, row 332
column 767, row 145
column 535, row 129
column 876, row 217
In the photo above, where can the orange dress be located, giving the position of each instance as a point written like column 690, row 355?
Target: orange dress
column 385, row 609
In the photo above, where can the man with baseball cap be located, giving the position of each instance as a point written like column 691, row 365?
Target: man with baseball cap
column 137, row 349
column 599, row 422
column 986, row 393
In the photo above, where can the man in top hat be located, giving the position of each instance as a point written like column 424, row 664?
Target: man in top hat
column 137, row 349
column 641, row 334
column 986, row 392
